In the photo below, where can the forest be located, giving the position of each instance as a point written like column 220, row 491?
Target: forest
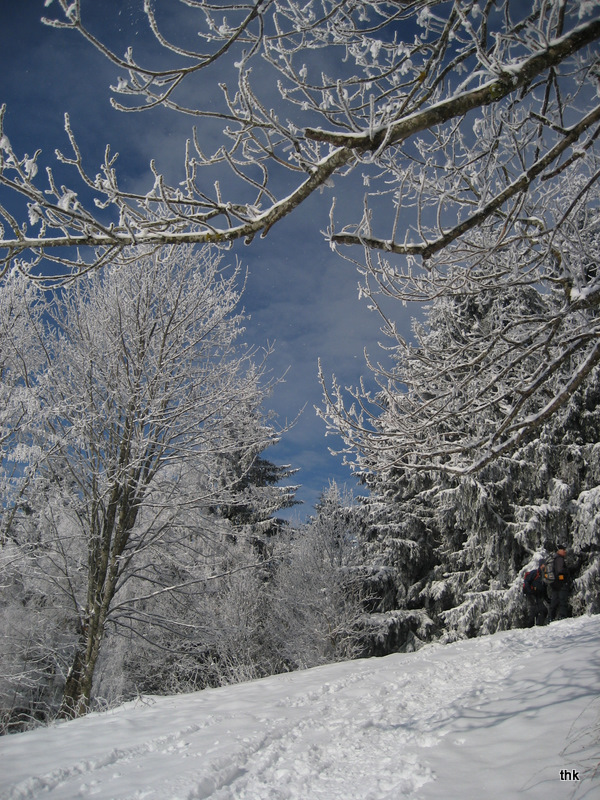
column 143, row 545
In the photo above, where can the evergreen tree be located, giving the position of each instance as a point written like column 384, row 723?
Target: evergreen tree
column 456, row 546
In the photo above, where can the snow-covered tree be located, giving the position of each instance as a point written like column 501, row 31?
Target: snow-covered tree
column 318, row 589
column 143, row 388
column 41, row 563
column 255, row 481
column 208, row 631
column 456, row 546
column 300, row 604
column 20, row 358
column 496, row 525
column 471, row 127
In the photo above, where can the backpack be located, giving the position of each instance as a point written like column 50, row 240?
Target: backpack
column 549, row 575
column 528, row 580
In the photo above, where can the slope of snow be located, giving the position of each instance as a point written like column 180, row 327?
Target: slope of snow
column 496, row 717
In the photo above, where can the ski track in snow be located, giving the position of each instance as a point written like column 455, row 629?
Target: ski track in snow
column 362, row 730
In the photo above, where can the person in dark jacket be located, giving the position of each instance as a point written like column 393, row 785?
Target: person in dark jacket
column 560, row 588
column 536, row 595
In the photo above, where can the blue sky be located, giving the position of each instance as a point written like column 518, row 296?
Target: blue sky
column 299, row 294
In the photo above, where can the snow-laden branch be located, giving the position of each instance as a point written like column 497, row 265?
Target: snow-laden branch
column 389, row 105
column 515, row 188
column 504, row 346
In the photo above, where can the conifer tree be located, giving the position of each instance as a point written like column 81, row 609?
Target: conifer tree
column 458, row 545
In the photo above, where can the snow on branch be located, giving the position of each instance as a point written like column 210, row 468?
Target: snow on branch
column 392, row 102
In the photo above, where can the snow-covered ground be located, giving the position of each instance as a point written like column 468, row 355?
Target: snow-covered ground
column 497, row 717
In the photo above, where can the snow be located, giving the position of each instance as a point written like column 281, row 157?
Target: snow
column 497, row 717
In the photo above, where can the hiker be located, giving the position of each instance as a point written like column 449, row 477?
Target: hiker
column 560, row 586
column 534, row 589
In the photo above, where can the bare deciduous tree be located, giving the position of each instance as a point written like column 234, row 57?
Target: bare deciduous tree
column 135, row 405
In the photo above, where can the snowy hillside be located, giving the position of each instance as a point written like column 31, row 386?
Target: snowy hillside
column 502, row 716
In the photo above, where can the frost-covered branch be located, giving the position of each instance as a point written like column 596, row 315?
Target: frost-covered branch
column 505, row 344
column 386, row 104
column 464, row 137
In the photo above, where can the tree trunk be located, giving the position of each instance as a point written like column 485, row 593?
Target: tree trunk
column 103, row 575
column 69, row 707
column 78, row 687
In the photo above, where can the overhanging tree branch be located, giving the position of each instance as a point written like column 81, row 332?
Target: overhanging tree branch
column 517, row 187
column 170, row 215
